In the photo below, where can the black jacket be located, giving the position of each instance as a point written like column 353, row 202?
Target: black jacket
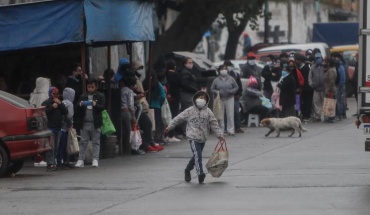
column 54, row 115
column 173, row 83
column 287, row 91
column 236, row 76
column 97, row 109
column 305, row 70
column 189, row 83
column 248, row 70
column 267, row 75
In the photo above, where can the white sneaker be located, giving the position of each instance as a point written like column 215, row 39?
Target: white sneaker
column 95, row 163
column 79, row 164
column 173, row 139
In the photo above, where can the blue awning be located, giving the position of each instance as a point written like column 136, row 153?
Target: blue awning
column 117, row 20
column 58, row 22
column 40, row 24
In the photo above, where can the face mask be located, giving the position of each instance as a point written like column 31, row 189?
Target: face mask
column 318, row 61
column 252, row 62
column 230, row 68
column 284, row 73
column 269, row 63
column 189, row 66
column 200, row 103
column 223, row 72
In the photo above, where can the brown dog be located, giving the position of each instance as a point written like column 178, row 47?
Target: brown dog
column 280, row 124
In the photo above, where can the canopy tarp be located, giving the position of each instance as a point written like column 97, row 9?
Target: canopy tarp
column 58, row 22
column 40, row 24
column 336, row 33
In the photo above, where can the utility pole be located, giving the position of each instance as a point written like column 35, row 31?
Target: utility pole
column 318, row 11
column 290, row 21
column 267, row 28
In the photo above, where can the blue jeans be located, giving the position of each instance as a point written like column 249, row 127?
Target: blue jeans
column 340, row 101
column 196, row 160
column 52, row 154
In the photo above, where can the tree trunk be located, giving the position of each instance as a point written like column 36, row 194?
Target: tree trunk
column 188, row 29
column 233, row 38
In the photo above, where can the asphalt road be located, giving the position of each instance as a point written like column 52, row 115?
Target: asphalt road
column 326, row 171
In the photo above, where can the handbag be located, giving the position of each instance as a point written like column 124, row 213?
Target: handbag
column 217, row 107
column 219, row 160
column 166, row 113
column 107, row 126
column 72, row 142
column 135, row 138
column 328, row 108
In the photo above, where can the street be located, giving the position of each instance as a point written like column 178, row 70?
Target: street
column 326, row 171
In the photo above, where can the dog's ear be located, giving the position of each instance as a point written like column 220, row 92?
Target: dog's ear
column 266, row 121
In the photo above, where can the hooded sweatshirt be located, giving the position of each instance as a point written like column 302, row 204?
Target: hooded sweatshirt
column 68, row 97
column 40, row 93
column 199, row 121
column 55, row 115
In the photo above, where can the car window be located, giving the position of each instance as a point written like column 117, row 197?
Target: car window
column 15, row 100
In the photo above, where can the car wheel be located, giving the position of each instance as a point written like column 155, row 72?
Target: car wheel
column 4, row 161
column 15, row 166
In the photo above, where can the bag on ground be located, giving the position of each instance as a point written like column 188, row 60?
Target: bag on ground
column 217, row 107
column 166, row 113
column 219, row 160
column 107, row 128
column 72, row 142
column 135, row 138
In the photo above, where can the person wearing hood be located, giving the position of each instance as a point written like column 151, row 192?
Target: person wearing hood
column 329, row 83
column 40, row 93
column 340, row 82
column 226, row 86
column 200, row 119
column 268, row 73
column 307, row 91
column 55, row 111
column 287, row 87
column 316, row 81
column 251, row 69
column 62, row 155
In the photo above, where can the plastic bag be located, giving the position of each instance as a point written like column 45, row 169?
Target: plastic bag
column 219, row 160
column 107, row 128
column 135, row 138
column 217, row 107
column 166, row 113
column 72, row 142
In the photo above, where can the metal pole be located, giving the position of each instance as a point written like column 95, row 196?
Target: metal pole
column 148, row 72
column 108, row 82
column 267, row 29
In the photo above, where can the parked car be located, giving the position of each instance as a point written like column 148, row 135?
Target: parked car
column 23, row 132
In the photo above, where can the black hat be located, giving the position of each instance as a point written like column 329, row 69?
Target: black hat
column 300, row 57
column 228, row 63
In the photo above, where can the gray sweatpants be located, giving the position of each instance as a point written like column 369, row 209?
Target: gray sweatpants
column 318, row 100
column 88, row 132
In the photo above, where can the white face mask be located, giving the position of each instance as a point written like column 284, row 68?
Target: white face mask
column 268, row 63
column 200, row 103
column 189, row 66
column 252, row 62
column 223, row 72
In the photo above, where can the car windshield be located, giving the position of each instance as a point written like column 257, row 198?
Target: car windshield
column 15, row 100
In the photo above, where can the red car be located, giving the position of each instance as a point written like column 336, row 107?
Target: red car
column 23, row 132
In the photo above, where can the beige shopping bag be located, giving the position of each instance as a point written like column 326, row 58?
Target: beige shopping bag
column 328, row 107
column 219, row 160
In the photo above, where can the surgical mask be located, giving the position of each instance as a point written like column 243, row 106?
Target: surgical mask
column 252, row 62
column 189, row 66
column 269, row 63
column 284, row 73
column 223, row 72
column 200, row 103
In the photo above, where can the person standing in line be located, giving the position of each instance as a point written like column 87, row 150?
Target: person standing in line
column 189, row 86
column 55, row 110
column 329, row 82
column 307, row 91
column 74, row 81
column 199, row 119
column 287, row 91
column 316, row 81
column 235, row 74
column 173, row 94
column 268, row 73
column 62, row 156
column 89, row 120
column 226, row 86
column 341, row 82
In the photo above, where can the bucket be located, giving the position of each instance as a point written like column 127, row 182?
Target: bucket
column 108, row 148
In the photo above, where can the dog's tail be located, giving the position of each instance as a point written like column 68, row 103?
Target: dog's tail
column 302, row 128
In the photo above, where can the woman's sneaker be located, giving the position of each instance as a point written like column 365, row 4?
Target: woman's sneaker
column 80, row 164
column 172, row 139
column 151, row 149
